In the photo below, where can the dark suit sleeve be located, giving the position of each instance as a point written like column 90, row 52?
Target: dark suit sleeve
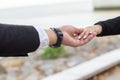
column 18, row 40
column 110, row 27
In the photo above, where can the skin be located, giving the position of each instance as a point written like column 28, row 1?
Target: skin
column 89, row 30
column 71, row 36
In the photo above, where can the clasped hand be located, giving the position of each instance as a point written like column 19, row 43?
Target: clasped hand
column 75, row 37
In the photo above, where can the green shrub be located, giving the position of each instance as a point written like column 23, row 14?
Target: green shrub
column 52, row 53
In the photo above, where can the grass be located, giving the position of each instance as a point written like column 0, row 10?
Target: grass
column 53, row 53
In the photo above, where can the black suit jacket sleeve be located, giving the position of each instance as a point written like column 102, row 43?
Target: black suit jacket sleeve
column 18, row 40
column 110, row 27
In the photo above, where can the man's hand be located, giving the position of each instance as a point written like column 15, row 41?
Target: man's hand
column 71, row 36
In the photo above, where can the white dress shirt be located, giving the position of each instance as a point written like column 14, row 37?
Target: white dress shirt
column 44, row 40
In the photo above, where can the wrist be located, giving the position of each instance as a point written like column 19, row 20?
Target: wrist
column 52, row 36
column 98, row 28
column 59, row 34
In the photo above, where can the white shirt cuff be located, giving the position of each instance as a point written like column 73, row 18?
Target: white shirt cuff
column 44, row 40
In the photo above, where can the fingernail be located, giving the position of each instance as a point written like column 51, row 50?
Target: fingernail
column 91, row 32
column 79, row 37
column 74, row 34
column 84, row 37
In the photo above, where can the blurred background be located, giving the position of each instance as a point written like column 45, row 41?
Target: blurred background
column 55, row 13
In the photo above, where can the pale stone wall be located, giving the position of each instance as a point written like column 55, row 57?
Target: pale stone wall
column 106, row 3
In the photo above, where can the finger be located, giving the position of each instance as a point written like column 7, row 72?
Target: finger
column 89, row 33
column 81, row 35
column 94, row 33
column 86, row 35
column 90, row 37
column 75, row 42
column 80, row 42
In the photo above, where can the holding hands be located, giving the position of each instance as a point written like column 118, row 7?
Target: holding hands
column 78, row 36
column 73, row 36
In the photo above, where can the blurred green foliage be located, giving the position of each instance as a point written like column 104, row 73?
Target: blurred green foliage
column 53, row 53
